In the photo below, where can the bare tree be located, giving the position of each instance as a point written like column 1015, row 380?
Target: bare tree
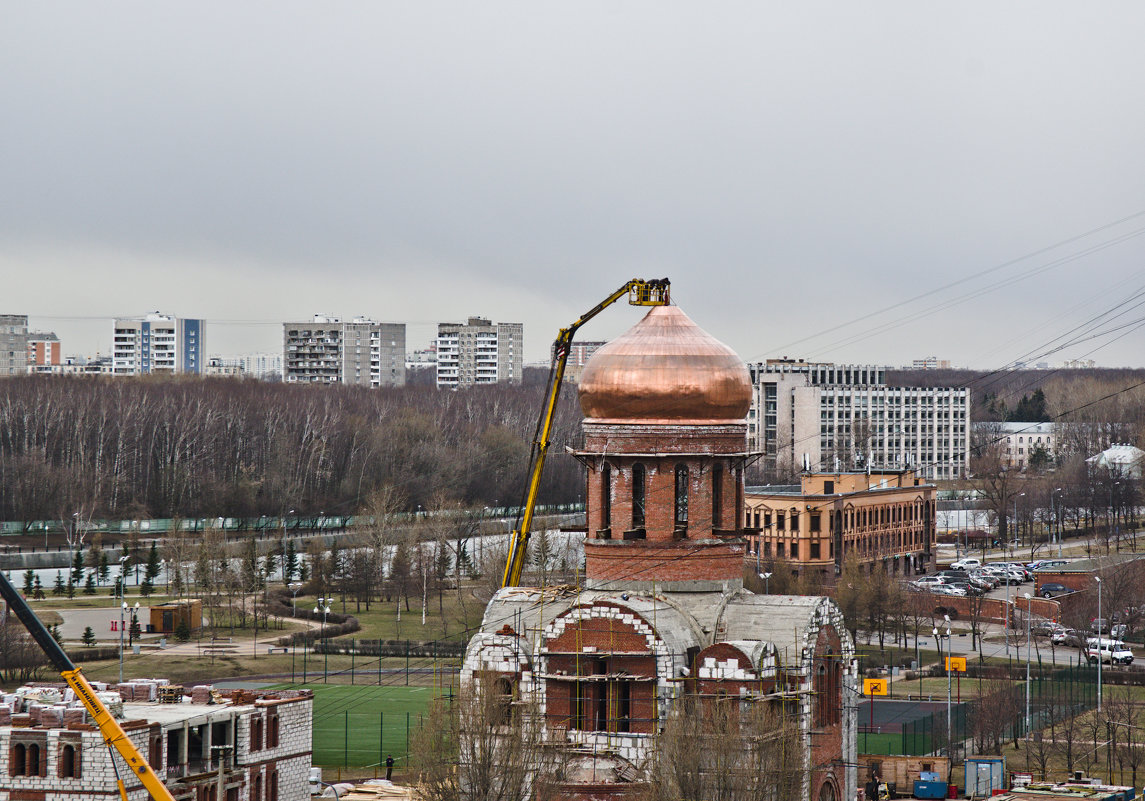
column 486, row 745
column 719, row 749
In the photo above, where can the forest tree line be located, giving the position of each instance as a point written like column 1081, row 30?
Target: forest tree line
column 192, row 447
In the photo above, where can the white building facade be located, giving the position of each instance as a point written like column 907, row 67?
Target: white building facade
column 361, row 352
column 159, row 343
column 1020, row 441
column 827, row 417
column 478, row 352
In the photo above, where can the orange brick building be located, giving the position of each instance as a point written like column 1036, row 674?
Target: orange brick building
column 662, row 611
column 886, row 518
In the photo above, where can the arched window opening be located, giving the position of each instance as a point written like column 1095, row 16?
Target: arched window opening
column 638, row 495
column 272, row 732
column 68, row 762
column 19, row 762
column 718, row 496
column 681, row 497
column 503, row 699
column 274, row 784
column 33, row 760
column 257, row 795
column 606, row 497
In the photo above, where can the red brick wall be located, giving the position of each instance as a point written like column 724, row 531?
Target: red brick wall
column 682, row 560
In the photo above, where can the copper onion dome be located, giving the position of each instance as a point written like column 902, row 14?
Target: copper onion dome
column 665, row 368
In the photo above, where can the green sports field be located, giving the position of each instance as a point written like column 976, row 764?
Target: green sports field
column 355, row 727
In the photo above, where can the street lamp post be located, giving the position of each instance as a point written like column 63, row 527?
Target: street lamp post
column 324, row 608
column 1027, row 668
column 766, row 583
column 938, row 639
column 284, row 576
column 123, row 611
column 1058, row 518
column 295, row 587
column 1100, row 626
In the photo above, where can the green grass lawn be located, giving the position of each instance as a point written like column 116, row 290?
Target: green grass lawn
column 355, row 727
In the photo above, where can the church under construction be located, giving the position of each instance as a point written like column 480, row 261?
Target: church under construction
column 662, row 615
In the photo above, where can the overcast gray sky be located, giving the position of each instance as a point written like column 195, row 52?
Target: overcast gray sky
column 790, row 166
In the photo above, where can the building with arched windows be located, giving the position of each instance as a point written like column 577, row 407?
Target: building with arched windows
column 662, row 615
column 882, row 518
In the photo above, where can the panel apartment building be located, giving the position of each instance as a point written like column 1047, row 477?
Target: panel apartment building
column 828, row 418
column 13, row 344
column 478, row 352
column 361, row 352
column 159, row 343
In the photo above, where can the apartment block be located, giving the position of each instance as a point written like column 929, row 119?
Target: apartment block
column 361, row 352
column 809, row 416
column 43, row 352
column 13, row 344
column 478, row 352
column 579, row 354
column 159, row 343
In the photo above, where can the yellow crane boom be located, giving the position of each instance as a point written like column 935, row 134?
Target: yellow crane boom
column 640, row 292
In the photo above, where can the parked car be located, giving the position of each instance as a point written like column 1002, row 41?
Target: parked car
column 967, row 563
column 1052, row 589
column 1069, row 637
column 1111, row 652
column 926, row 582
column 1045, row 628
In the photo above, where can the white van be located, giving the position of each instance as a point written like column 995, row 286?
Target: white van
column 1111, row 652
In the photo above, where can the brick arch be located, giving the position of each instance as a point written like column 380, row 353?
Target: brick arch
column 603, row 666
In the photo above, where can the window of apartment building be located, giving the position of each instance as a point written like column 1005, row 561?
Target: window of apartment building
column 767, row 548
column 815, row 550
column 681, row 518
column 767, row 519
column 780, row 521
column 638, row 494
column 779, row 550
column 794, row 521
column 828, row 487
column 815, row 522
column 795, row 550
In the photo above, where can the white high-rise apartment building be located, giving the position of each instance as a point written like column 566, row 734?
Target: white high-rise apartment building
column 159, row 343
column 13, row 344
column 478, row 352
column 827, row 417
column 362, row 352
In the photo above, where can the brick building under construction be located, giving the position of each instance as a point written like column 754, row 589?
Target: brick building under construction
column 662, row 612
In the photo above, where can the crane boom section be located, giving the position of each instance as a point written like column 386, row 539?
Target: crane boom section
column 640, row 292
column 113, row 733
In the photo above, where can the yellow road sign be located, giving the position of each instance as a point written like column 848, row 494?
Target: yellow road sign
column 956, row 664
column 875, row 686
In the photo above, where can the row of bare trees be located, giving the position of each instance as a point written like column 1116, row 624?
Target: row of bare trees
column 137, row 447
